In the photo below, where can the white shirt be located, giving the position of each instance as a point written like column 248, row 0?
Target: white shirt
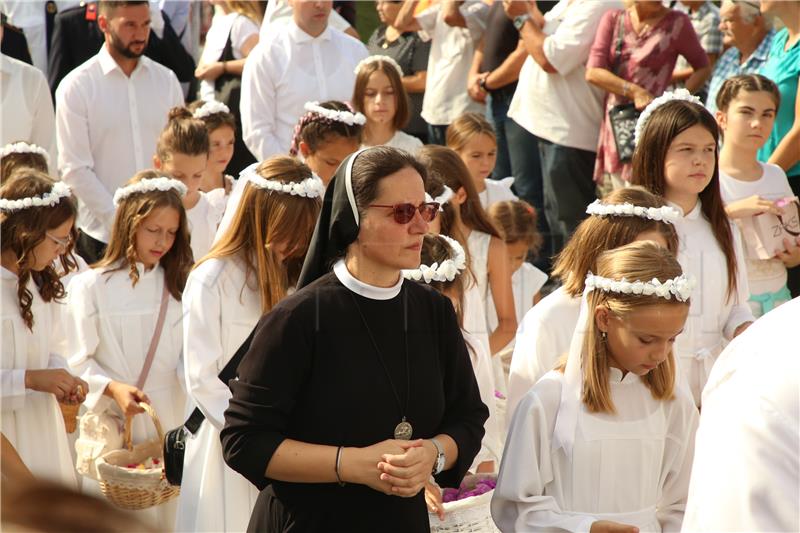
column 239, row 27
column 713, row 317
column 563, row 107
column 497, row 191
column 746, row 474
column 286, row 70
column 403, row 141
column 107, row 127
column 203, row 219
column 31, row 420
column 543, row 336
column 29, row 15
column 220, row 310
column 492, row 442
column 27, row 109
column 763, row 275
column 631, row 467
column 279, row 13
column 449, row 61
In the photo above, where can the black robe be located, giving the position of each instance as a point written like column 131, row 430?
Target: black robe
column 313, row 375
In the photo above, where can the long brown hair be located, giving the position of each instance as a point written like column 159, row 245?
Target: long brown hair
column 131, row 213
column 666, row 123
column 21, row 231
column 16, row 161
column 403, row 107
column 637, row 261
column 264, row 218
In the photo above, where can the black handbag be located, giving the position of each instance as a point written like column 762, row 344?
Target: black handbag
column 623, row 117
column 175, row 439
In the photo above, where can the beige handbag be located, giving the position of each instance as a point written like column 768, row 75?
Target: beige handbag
column 102, row 432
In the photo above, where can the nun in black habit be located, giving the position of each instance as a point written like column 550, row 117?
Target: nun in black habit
column 359, row 386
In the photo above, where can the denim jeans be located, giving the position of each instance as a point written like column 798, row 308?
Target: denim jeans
column 497, row 114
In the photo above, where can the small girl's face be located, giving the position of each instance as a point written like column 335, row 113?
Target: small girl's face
column 689, row 164
column 221, row 149
column 55, row 243
column 156, row 235
column 641, row 340
column 748, row 120
column 329, row 155
column 480, row 156
column 188, row 169
column 517, row 252
column 380, row 100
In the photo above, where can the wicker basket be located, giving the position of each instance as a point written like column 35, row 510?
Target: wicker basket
column 471, row 515
column 136, row 489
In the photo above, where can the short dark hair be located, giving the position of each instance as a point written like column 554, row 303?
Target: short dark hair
column 107, row 7
column 375, row 164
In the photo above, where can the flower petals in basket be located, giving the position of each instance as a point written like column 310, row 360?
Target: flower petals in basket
column 136, row 488
column 470, row 514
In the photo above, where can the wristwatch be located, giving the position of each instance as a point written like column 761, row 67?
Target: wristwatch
column 482, row 83
column 439, row 465
column 520, row 21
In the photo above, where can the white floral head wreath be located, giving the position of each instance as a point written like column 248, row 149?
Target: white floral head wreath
column 679, row 287
column 60, row 190
column 663, row 214
column 447, row 271
column 312, row 187
column 149, row 185
column 374, row 59
column 24, row 148
column 211, row 107
column 679, row 94
column 442, row 199
column 347, row 117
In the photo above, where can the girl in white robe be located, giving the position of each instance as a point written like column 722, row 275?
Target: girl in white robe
column 34, row 375
column 676, row 156
column 545, row 332
column 608, row 437
column 112, row 310
column 182, row 153
column 221, row 128
column 226, row 294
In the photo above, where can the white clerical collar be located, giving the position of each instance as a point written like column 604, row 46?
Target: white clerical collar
column 363, row 289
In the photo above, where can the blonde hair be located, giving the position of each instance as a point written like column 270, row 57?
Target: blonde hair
column 131, row 213
column 516, row 220
column 467, row 127
column 598, row 234
column 265, row 218
column 250, row 9
column 635, row 261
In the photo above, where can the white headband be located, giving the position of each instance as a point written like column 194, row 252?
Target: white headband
column 374, row 59
column 571, row 393
column 346, row 117
column 24, row 148
column 149, row 185
column 312, row 187
column 211, row 107
column 60, row 190
column 442, row 199
column 662, row 214
column 348, row 183
column 679, row 94
column 447, row 271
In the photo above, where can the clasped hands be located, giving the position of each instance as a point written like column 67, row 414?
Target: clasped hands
column 393, row 467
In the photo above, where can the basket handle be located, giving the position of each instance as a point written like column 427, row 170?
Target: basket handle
column 128, row 435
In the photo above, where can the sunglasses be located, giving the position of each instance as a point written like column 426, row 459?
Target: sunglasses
column 404, row 213
column 63, row 243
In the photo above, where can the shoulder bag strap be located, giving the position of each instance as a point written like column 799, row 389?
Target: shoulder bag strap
column 151, row 351
column 620, row 40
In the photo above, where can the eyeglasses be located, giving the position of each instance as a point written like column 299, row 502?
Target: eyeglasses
column 63, row 243
column 403, row 213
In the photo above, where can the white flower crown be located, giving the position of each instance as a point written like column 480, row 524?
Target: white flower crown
column 346, row 117
column 664, row 214
column 679, row 94
column 374, row 59
column 447, row 271
column 312, row 187
column 60, row 190
column 24, row 148
column 211, row 107
column 442, row 199
column 680, row 287
column 149, row 185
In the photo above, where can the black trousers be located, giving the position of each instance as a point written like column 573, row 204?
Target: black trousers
column 89, row 248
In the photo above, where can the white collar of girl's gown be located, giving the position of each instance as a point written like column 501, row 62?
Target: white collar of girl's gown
column 694, row 214
column 7, row 274
column 363, row 289
column 615, row 376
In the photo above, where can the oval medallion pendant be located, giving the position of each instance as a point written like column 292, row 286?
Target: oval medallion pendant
column 403, row 430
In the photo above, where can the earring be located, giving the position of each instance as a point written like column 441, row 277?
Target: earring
column 604, row 336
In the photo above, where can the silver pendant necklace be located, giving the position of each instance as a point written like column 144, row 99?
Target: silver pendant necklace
column 403, row 430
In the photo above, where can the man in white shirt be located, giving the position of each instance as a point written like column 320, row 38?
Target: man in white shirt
column 746, row 471
column 109, row 114
column 304, row 60
column 557, row 106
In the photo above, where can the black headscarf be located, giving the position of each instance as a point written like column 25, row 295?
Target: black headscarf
column 337, row 225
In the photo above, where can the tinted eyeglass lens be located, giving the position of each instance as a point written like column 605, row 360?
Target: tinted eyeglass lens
column 428, row 211
column 403, row 213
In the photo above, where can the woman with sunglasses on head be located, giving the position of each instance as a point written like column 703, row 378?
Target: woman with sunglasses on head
column 358, row 387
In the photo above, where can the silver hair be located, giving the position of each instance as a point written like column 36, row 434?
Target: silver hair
column 749, row 10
